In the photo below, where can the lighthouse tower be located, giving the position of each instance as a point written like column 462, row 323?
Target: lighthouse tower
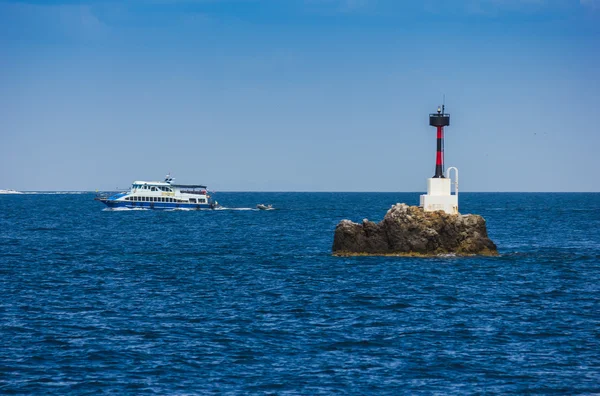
column 439, row 195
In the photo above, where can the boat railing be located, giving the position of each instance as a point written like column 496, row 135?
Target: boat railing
column 201, row 192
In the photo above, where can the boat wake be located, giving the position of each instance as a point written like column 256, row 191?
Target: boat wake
column 123, row 209
column 178, row 209
column 224, row 208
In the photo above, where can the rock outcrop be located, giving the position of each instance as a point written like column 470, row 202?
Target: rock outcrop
column 408, row 230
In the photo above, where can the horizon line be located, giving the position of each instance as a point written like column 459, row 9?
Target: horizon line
column 329, row 192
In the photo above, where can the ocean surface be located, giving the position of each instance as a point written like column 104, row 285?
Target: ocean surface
column 241, row 301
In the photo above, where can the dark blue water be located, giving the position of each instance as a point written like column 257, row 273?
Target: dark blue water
column 252, row 302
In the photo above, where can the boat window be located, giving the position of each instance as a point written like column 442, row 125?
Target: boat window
column 193, row 200
column 153, row 189
column 202, row 200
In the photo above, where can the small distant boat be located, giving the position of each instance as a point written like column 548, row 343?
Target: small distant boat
column 161, row 195
column 10, row 192
column 264, row 207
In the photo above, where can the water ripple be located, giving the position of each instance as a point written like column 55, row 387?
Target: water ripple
column 252, row 302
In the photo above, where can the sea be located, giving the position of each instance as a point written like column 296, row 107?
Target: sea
column 242, row 301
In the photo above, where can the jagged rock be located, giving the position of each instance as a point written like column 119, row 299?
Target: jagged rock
column 408, row 230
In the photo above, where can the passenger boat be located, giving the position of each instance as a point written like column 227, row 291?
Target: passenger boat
column 161, row 195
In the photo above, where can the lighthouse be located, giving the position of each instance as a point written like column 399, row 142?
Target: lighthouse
column 439, row 187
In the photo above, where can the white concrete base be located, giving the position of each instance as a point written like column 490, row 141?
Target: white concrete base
column 439, row 196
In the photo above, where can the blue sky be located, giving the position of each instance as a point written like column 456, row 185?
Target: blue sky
column 299, row 95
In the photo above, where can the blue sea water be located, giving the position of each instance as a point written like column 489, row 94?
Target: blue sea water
column 241, row 301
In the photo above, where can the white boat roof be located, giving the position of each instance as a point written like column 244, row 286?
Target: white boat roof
column 154, row 183
column 159, row 183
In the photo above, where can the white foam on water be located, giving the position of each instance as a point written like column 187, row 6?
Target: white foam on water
column 122, row 209
column 447, row 255
column 224, row 208
column 176, row 209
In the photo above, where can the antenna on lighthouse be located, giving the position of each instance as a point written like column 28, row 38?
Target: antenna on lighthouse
column 443, row 103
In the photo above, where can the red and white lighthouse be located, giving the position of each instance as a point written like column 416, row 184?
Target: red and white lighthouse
column 439, row 195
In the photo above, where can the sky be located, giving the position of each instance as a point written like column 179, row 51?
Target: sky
column 299, row 95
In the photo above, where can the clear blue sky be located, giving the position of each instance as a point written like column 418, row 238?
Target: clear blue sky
column 299, row 95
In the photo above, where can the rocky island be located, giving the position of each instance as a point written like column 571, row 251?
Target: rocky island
column 411, row 231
